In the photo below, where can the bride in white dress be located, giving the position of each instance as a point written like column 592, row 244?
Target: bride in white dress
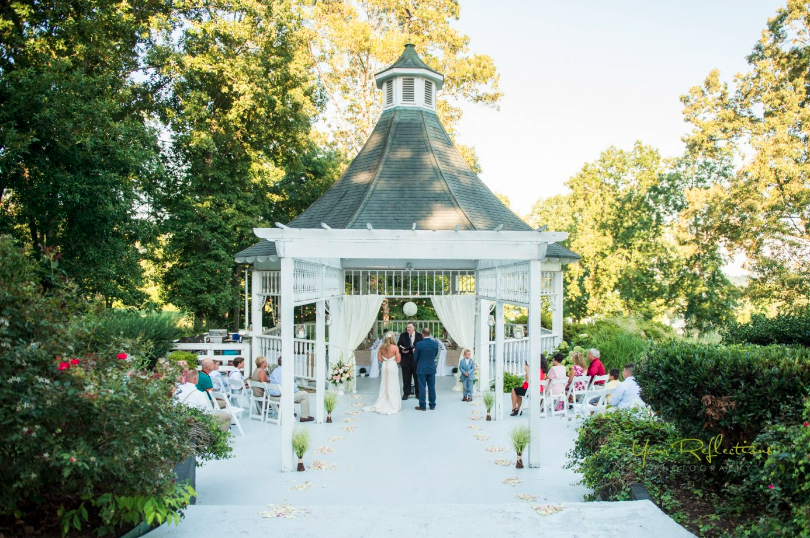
column 389, row 400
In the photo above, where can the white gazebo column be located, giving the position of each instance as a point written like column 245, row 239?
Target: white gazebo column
column 557, row 307
column 256, row 309
column 288, row 363
column 320, row 358
column 535, row 350
column 334, row 316
column 499, row 360
column 482, row 343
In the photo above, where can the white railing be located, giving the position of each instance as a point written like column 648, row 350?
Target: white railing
column 210, row 351
column 547, row 283
column 516, row 353
column 307, row 281
column 488, row 283
column 514, row 284
column 413, row 283
column 334, row 282
column 399, row 326
column 304, row 359
column 271, row 283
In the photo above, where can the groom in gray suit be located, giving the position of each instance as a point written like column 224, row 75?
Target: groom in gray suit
column 426, row 356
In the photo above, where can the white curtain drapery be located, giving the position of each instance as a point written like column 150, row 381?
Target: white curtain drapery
column 457, row 313
column 357, row 315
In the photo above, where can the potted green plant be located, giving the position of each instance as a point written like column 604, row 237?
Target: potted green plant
column 300, row 444
column 489, row 401
column 520, row 440
column 329, row 402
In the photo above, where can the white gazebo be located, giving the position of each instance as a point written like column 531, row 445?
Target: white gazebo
column 408, row 218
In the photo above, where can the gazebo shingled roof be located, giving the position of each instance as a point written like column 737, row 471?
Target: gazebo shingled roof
column 408, row 172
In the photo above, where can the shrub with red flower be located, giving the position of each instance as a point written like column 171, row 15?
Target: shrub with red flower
column 63, row 366
column 121, row 356
column 74, row 362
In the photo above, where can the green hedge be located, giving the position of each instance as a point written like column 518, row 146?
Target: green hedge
column 510, row 381
column 787, row 329
column 708, row 390
column 607, row 454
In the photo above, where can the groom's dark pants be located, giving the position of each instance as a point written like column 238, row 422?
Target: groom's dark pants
column 409, row 375
column 430, row 379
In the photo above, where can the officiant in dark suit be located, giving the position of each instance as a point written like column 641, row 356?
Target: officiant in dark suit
column 407, row 342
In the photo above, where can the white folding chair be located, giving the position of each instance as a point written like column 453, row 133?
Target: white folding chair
column 274, row 405
column 237, row 389
column 598, row 381
column 601, row 404
column 258, row 404
column 552, row 400
column 235, row 412
column 543, row 388
column 577, row 390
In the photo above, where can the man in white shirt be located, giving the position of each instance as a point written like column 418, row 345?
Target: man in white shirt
column 300, row 397
column 628, row 393
column 189, row 395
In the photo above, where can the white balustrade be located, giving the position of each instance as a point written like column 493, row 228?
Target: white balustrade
column 271, row 283
column 514, row 283
column 413, row 283
column 399, row 326
column 488, row 283
column 304, row 358
column 307, row 281
column 516, row 353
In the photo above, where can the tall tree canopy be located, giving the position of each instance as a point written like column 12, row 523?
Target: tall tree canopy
column 352, row 40
column 640, row 225
column 763, row 209
column 75, row 152
column 238, row 100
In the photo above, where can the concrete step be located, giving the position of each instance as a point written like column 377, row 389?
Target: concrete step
column 628, row 519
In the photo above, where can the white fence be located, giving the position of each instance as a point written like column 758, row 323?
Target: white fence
column 516, row 354
column 414, row 283
column 398, row 327
column 217, row 352
column 304, row 358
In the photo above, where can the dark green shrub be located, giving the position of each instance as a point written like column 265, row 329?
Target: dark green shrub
column 733, row 391
column 787, row 329
column 782, row 478
column 176, row 356
column 150, row 333
column 609, row 452
column 81, row 424
column 510, row 381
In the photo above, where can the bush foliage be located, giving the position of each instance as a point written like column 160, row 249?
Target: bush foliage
column 510, row 381
column 81, row 423
column 787, row 329
column 733, row 391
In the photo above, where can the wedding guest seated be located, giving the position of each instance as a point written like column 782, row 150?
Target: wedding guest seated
column 466, row 367
column 578, row 369
column 205, row 383
column 595, row 366
column 557, row 371
column 613, row 382
column 300, row 396
column 260, row 374
column 236, row 373
column 628, row 393
column 519, row 392
column 188, row 394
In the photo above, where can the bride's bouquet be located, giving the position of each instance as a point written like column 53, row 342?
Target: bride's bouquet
column 341, row 373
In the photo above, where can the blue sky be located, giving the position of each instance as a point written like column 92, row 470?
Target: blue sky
column 580, row 76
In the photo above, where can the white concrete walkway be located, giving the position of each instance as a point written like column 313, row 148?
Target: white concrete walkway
column 420, row 473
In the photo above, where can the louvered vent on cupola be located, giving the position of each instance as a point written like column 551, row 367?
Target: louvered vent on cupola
column 389, row 93
column 407, row 90
column 428, row 93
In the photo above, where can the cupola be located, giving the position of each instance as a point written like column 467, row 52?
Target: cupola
column 409, row 82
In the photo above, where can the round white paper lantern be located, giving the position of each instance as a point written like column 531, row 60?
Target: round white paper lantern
column 409, row 308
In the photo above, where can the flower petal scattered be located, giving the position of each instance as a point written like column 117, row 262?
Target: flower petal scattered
column 525, row 497
column 514, row 481
column 547, row 509
column 320, row 465
column 287, row 511
column 324, row 450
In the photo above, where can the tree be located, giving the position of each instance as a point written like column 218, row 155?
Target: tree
column 616, row 215
column 239, row 101
column 763, row 123
column 350, row 41
column 75, row 150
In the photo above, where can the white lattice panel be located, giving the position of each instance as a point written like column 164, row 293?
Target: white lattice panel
column 307, row 281
column 488, row 283
column 271, row 283
column 414, row 283
column 334, row 282
column 514, row 284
